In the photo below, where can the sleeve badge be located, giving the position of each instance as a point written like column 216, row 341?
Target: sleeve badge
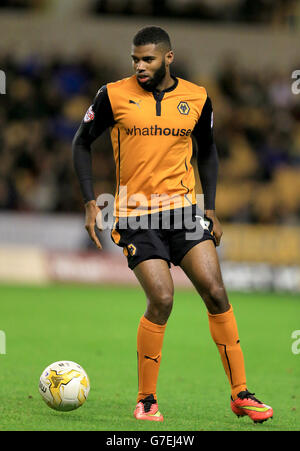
column 89, row 115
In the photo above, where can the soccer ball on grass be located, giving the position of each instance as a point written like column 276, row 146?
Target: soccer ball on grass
column 64, row 385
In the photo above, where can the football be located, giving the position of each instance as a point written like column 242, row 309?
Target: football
column 64, row 385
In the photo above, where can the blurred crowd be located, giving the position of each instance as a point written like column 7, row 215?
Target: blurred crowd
column 283, row 13
column 272, row 12
column 257, row 133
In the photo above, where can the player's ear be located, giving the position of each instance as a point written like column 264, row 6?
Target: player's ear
column 169, row 57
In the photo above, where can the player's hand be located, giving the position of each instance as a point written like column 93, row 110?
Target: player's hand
column 93, row 216
column 217, row 229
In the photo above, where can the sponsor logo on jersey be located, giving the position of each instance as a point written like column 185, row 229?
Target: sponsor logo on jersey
column 154, row 130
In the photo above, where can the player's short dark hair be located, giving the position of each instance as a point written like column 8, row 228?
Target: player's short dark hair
column 152, row 35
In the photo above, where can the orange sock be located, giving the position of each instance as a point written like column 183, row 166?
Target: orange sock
column 149, row 346
column 224, row 332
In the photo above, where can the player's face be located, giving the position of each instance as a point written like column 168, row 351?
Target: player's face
column 150, row 64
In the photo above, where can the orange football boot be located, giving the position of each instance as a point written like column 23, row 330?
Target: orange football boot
column 147, row 409
column 247, row 404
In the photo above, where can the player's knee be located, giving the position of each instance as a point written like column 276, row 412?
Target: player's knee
column 216, row 299
column 161, row 306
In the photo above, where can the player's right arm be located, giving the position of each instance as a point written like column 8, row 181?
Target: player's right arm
column 97, row 119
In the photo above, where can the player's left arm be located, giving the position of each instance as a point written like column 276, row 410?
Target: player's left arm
column 208, row 163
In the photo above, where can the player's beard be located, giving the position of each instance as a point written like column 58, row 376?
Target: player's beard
column 153, row 82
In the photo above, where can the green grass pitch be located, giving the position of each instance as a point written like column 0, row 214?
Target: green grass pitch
column 96, row 327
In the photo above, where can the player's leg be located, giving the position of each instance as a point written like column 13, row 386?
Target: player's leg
column 201, row 265
column 155, row 278
column 156, row 281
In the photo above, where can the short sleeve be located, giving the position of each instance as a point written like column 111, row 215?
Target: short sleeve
column 203, row 130
column 99, row 115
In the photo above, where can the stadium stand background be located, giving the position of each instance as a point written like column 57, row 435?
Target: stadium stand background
column 244, row 52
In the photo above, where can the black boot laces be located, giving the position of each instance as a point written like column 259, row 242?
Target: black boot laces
column 148, row 402
column 246, row 394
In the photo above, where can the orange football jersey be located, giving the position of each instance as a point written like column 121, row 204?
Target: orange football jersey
column 152, row 145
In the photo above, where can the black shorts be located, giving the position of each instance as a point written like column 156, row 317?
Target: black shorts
column 167, row 235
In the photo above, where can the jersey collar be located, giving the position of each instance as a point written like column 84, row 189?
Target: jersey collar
column 171, row 88
column 161, row 93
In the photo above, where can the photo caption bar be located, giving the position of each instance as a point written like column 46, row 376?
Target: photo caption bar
column 144, row 439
